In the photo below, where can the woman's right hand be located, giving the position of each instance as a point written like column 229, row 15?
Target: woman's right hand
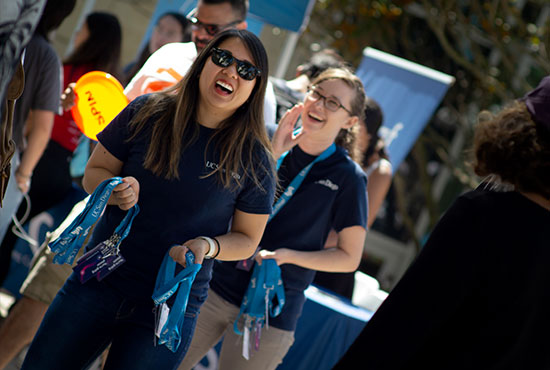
column 284, row 138
column 126, row 195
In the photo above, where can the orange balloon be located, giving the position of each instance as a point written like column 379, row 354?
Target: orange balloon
column 99, row 98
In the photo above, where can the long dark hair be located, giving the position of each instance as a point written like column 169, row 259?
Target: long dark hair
column 146, row 53
column 101, row 51
column 236, row 137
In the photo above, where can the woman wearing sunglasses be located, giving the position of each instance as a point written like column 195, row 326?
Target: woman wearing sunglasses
column 197, row 161
column 331, row 196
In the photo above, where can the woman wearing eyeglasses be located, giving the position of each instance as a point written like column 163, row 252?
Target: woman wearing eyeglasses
column 197, row 161
column 331, row 196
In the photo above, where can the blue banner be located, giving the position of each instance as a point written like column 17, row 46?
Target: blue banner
column 408, row 94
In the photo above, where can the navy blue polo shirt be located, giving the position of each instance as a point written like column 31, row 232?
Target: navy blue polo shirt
column 173, row 211
column 332, row 196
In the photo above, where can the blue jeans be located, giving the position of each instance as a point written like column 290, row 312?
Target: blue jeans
column 85, row 318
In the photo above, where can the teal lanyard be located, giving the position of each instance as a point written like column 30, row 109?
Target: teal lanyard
column 166, row 285
column 67, row 245
column 298, row 179
column 265, row 285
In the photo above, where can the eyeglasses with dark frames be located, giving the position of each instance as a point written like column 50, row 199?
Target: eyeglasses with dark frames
column 330, row 103
column 211, row 29
column 224, row 58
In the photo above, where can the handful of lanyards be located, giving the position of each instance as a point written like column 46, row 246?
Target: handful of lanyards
column 265, row 296
column 169, row 320
column 103, row 258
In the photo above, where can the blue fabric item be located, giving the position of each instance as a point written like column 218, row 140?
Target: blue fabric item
column 67, row 245
column 167, row 284
column 332, row 196
column 177, row 210
column 265, row 286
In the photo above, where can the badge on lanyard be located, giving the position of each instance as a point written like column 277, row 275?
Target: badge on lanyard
column 265, row 296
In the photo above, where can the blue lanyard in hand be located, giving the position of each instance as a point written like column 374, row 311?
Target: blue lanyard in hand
column 166, row 285
column 67, row 245
column 297, row 181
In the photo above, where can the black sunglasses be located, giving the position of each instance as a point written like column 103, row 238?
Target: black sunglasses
column 224, row 58
column 211, row 29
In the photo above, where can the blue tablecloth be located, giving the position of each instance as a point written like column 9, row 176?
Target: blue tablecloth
column 326, row 329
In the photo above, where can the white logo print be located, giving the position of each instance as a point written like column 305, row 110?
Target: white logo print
column 329, row 184
column 215, row 166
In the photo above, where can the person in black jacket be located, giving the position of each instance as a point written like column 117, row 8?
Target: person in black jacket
column 478, row 295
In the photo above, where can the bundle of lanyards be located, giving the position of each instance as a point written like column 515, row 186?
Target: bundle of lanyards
column 169, row 320
column 266, row 285
column 103, row 258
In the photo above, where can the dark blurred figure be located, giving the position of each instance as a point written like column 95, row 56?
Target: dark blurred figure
column 478, row 295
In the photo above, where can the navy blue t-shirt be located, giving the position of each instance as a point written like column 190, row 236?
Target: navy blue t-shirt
column 332, row 196
column 172, row 211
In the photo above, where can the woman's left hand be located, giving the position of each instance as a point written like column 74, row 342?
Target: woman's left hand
column 199, row 247
column 281, row 256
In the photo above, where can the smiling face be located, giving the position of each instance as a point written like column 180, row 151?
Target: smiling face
column 222, row 90
column 317, row 120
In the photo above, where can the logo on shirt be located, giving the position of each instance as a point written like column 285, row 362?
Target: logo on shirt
column 329, row 184
column 215, row 166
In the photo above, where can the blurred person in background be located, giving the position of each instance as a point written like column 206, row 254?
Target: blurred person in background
column 97, row 46
column 35, row 110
